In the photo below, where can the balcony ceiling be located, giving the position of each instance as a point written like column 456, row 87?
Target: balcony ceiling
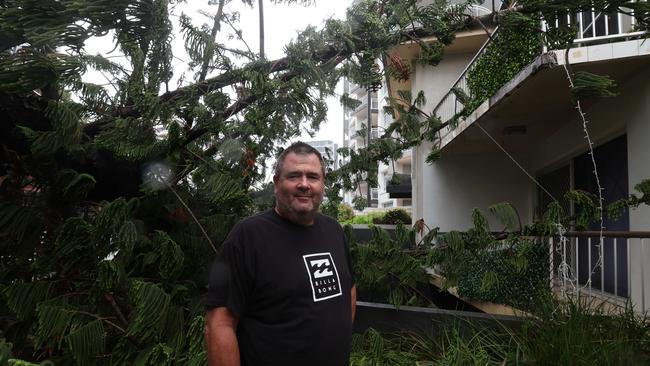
column 465, row 42
column 540, row 104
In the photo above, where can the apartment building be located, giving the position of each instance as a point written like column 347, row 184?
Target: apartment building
column 526, row 144
column 385, row 195
column 327, row 149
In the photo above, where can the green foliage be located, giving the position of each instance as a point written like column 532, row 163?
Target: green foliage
column 514, row 46
column 370, row 349
column 516, row 275
column 615, row 209
column 112, row 194
column 197, row 355
column 366, row 219
column 17, row 222
column 513, row 271
column 171, row 256
column 359, row 202
column 560, row 334
column 22, row 298
column 87, row 341
column 587, row 207
column 151, row 305
column 5, row 356
column 385, row 272
column 53, row 323
column 563, row 334
column 396, row 216
column 586, row 85
column 346, row 213
column 508, row 215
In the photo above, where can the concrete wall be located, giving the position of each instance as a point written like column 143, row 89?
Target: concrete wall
column 435, row 82
column 637, row 115
column 457, row 184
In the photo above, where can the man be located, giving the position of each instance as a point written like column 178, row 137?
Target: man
column 282, row 291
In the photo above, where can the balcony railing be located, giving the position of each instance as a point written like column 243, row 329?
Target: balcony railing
column 592, row 28
column 613, row 274
column 374, row 104
column 352, row 126
column 582, row 267
column 374, row 133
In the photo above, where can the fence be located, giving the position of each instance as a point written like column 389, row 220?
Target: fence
column 611, row 271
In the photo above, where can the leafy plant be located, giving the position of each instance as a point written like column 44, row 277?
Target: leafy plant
column 396, row 216
column 346, row 213
column 385, row 271
column 514, row 46
column 570, row 333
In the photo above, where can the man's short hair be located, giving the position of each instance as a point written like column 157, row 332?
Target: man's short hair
column 298, row 148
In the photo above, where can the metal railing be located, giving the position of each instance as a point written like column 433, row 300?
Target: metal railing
column 613, row 273
column 352, row 125
column 374, row 104
column 581, row 266
column 374, row 133
column 595, row 27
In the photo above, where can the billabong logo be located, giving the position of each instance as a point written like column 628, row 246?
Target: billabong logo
column 323, row 264
column 323, row 276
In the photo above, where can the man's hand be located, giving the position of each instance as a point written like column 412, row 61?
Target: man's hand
column 220, row 337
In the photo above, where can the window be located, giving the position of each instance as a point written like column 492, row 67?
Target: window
column 387, row 204
column 582, row 254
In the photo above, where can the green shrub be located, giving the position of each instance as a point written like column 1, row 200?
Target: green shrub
column 561, row 334
column 346, row 212
column 397, row 216
column 366, row 218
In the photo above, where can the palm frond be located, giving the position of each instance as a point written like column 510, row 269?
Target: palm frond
column 197, row 353
column 87, row 342
column 16, row 221
column 158, row 355
column 53, row 322
column 151, row 307
column 220, row 188
column 22, row 298
column 170, row 255
column 508, row 215
column 174, row 332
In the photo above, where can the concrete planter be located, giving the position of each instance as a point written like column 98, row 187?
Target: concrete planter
column 427, row 322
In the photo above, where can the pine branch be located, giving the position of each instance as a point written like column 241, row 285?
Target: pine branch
column 209, row 51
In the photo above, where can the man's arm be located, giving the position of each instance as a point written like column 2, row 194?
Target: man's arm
column 220, row 337
column 353, row 298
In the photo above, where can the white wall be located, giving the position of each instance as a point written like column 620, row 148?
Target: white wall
column 637, row 114
column 456, row 184
column 436, row 81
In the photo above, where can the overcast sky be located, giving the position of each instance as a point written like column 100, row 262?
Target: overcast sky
column 281, row 22
column 281, row 25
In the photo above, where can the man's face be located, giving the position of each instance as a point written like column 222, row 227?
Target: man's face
column 299, row 188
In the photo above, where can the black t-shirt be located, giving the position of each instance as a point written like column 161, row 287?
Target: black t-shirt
column 289, row 285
